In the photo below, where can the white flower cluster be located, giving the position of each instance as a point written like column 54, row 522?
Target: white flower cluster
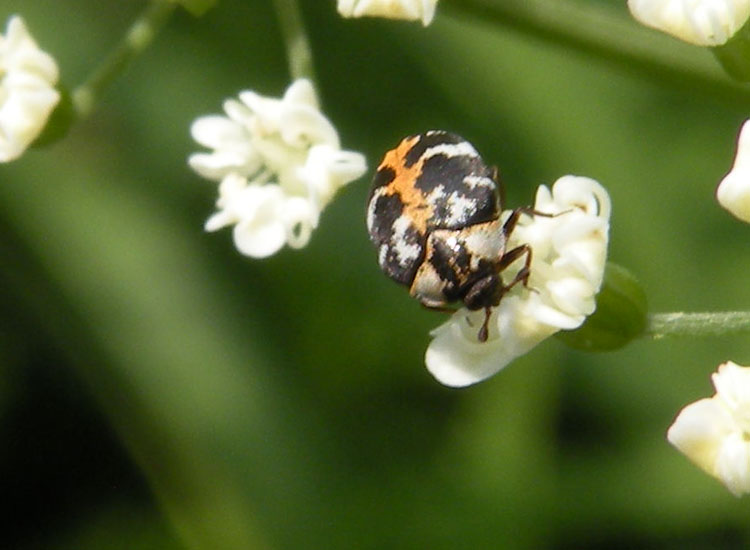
column 412, row 10
column 700, row 22
column 27, row 89
column 279, row 162
column 569, row 255
column 733, row 192
column 714, row 433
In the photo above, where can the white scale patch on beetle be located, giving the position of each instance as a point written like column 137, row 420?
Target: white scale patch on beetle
column 452, row 243
column 478, row 181
column 450, row 150
column 405, row 251
column 382, row 255
column 428, row 286
column 371, row 208
column 460, row 208
column 435, row 195
column 485, row 242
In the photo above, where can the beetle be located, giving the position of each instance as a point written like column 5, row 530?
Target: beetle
column 433, row 213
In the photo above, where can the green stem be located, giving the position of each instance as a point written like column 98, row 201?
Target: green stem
column 608, row 34
column 298, row 51
column 140, row 34
column 662, row 325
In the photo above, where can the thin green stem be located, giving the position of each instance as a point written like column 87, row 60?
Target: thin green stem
column 298, row 51
column 140, row 34
column 608, row 34
column 663, row 325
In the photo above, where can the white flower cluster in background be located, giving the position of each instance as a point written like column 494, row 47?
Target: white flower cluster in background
column 714, row 433
column 700, row 22
column 733, row 192
column 27, row 89
column 279, row 162
column 569, row 255
column 412, row 10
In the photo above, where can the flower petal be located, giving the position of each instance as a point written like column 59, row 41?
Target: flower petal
column 216, row 131
column 732, row 465
column 456, row 358
column 327, row 169
column 303, row 126
column 300, row 218
column 27, row 87
column 698, row 432
column 259, row 238
column 700, row 22
column 260, row 229
column 733, row 193
column 302, row 92
column 423, row 10
column 732, row 383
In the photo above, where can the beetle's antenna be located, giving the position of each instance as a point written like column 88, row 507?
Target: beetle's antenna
column 500, row 186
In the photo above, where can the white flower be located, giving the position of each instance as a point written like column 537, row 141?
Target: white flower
column 714, row 433
column 27, row 89
column 279, row 162
column 700, row 22
column 569, row 255
column 412, row 10
column 733, row 192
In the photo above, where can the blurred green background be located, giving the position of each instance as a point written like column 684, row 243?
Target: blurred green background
column 158, row 390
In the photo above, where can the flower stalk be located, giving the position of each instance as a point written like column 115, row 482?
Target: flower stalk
column 298, row 51
column 138, row 37
column 664, row 325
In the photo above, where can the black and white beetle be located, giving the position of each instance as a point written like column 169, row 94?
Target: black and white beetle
column 434, row 215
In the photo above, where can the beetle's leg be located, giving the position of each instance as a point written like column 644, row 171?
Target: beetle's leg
column 484, row 331
column 533, row 212
column 521, row 277
column 510, row 223
column 515, row 214
column 523, row 273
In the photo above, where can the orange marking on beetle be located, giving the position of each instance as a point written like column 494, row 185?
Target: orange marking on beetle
column 415, row 206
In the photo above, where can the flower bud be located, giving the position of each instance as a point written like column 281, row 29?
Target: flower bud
column 197, row 7
column 620, row 314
